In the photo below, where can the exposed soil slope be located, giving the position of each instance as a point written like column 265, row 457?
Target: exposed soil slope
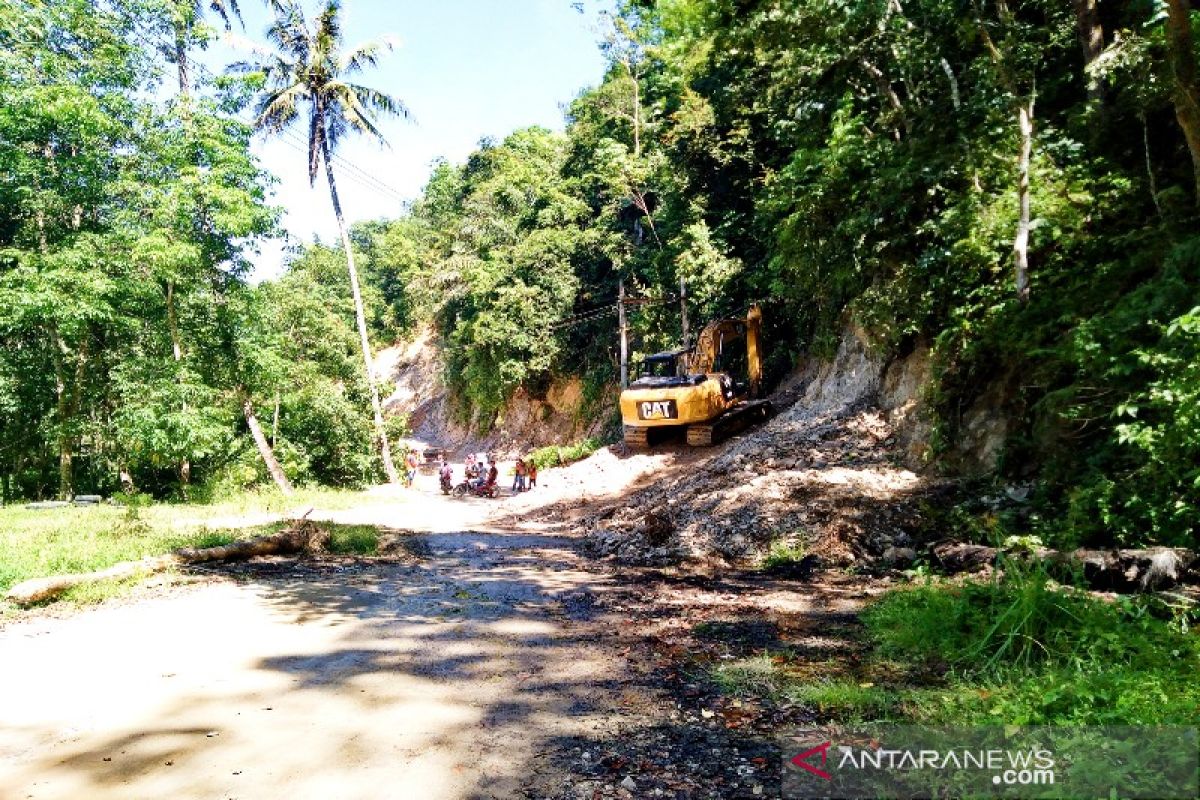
column 831, row 474
column 526, row 422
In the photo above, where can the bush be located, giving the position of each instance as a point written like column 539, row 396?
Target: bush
column 561, row 455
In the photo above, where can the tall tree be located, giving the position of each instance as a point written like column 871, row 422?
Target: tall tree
column 184, row 17
column 1185, row 84
column 307, row 76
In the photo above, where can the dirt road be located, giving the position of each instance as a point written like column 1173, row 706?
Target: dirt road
column 487, row 657
column 447, row 676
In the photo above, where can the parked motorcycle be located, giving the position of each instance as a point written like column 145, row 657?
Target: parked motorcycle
column 467, row 488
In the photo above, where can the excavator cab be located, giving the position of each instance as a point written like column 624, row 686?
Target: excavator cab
column 662, row 369
column 733, row 361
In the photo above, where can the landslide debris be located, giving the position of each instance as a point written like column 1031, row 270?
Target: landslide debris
column 828, row 483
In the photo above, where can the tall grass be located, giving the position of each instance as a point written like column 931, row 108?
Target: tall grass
column 1022, row 649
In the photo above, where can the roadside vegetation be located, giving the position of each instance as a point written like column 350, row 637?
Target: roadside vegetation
column 43, row 542
column 1018, row 649
column 561, row 455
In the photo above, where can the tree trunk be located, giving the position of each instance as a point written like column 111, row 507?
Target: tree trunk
column 66, row 408
column 1025, row 127
column 1091, row 41
column 185, row 465
column 181, row 62
column 385, row 450
column 125, row 478
column 1021, row 243
column 953, row 81
column 264, row 449
column 637, row 114
column 1153, row 184
column 1181, row 56
column 885, row 88
column 275, row 422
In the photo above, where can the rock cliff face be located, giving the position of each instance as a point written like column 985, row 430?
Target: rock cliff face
column 858, row 374
column 526, row 422
column 899, row 388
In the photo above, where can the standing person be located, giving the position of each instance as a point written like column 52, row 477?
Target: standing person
column 493, row 474
column 519, row 476
column 411, row 463
column 532, row 472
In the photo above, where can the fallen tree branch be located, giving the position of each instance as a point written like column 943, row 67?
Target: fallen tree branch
column 303, row 536
column 1111, row 570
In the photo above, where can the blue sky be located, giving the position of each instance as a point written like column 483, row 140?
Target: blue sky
column 465, row 68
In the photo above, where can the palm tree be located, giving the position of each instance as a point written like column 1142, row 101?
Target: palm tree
column 184, row 14
column 307, row 76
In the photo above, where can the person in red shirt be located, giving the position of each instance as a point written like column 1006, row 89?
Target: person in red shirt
column 519, row 476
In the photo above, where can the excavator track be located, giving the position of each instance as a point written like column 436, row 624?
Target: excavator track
column 636, row 436
column 733, row 421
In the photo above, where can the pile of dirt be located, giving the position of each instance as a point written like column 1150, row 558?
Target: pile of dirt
column 828, row 483
column 831, row 475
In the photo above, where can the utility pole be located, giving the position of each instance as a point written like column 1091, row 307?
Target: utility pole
column 683, row 310
column 624, row 335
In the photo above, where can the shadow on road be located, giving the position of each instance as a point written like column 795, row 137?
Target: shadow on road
column 444, row 678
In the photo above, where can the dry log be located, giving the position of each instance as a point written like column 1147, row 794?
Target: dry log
column 302, row 536
column 38, row 589
column 1136, row 570
column 1122, row 570
column 955, row 557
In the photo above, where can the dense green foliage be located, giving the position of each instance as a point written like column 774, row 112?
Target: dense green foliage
column 860, row 162
column 132, row 350
column 837, row 162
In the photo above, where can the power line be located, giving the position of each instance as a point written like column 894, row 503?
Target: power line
column 610, row 308
column 579, row 319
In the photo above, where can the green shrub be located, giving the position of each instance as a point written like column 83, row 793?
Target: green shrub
column 783, row 554
column 362, row 540
column 561, row 455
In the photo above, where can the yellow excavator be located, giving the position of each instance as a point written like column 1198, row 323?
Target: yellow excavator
column 712, row 389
